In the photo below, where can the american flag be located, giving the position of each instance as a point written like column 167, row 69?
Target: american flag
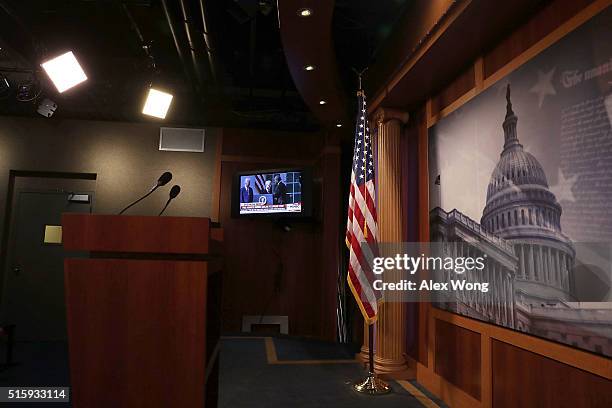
column 362, row 229
column 260, row 183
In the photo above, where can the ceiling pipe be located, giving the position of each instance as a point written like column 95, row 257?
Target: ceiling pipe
column 174, row 31
column 201, row 74
column 252, row 53
column 208, row 42
column 133, row 24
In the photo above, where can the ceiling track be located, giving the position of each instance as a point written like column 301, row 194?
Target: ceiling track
column 208, row 41
column 181, row 45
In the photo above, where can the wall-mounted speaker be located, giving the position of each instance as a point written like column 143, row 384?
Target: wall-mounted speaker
column 181, row 139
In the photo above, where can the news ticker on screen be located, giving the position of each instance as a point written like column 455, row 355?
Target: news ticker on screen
column 269, row 208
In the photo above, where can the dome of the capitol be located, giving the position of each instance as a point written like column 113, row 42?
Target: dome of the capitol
column 516, row 167
column 518, row 199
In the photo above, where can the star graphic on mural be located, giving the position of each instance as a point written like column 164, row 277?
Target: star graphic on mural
column 563, row 189
column 544, row 85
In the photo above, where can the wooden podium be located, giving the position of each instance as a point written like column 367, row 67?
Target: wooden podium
column 143, row 310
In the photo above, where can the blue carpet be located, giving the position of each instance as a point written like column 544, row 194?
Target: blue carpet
column 309, row 349
column 248, row 381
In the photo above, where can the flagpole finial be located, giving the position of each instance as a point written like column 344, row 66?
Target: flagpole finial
column 359, row 75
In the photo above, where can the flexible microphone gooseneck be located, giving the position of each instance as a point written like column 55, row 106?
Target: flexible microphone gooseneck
column 161, row 181
column 174, row 191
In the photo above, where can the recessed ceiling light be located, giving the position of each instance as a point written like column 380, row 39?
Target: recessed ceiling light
column 64, row 71
column 309, row 67
column 322, row 102
column 157, row 103
column 338, row 124
column 305, row 12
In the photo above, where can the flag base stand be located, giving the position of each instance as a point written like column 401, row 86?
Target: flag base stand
column 371, row 385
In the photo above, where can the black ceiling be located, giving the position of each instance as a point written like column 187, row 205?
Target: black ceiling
column 126, row 45
column 359, row 29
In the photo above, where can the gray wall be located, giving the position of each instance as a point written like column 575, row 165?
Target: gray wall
column 125, row 157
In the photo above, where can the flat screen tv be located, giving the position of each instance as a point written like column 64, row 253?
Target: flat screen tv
column 273, row 192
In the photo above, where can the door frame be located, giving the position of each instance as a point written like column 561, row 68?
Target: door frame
column 8, row 210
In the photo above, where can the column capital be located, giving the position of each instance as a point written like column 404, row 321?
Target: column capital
column 383, row 115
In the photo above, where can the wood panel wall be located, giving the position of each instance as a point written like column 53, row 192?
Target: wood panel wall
column 469, row 363
column 459, row 354
column 546, row 382
column 270, row 271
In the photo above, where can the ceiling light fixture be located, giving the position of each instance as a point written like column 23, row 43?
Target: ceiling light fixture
column 157, row 103
column 309, row 67
column 64, row 71
column 339, row 125
column 322, row 102
column 304, row 12
column 47, row 108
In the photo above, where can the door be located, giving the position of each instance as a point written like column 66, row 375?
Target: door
column 34, row 280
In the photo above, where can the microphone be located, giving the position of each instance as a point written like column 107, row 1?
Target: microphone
column 164, row 179
column 174, row 191
column 161, row 181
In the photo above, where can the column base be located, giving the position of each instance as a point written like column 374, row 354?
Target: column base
column 396, row 369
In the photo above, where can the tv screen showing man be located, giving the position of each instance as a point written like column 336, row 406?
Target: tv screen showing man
column 246, row 192
column 269, row 193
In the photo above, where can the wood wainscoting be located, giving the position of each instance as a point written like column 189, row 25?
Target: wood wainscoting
column 561, row 384
column 474, row 364
column 458, row 352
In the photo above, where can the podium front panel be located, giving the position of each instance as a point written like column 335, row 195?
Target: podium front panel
column 137, row 332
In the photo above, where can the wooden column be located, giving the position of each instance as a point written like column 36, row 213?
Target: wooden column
column 390, row 345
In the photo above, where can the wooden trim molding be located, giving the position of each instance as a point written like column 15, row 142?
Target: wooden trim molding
column 419, row 52
column 483, row 83
column 580, row 18
column 479, row 74
column 433, row 119
column 486, row 369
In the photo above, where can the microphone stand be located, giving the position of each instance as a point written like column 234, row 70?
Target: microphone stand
column 140, row 199
column 165, row 206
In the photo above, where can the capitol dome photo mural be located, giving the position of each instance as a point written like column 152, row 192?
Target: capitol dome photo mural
column 522, row 174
